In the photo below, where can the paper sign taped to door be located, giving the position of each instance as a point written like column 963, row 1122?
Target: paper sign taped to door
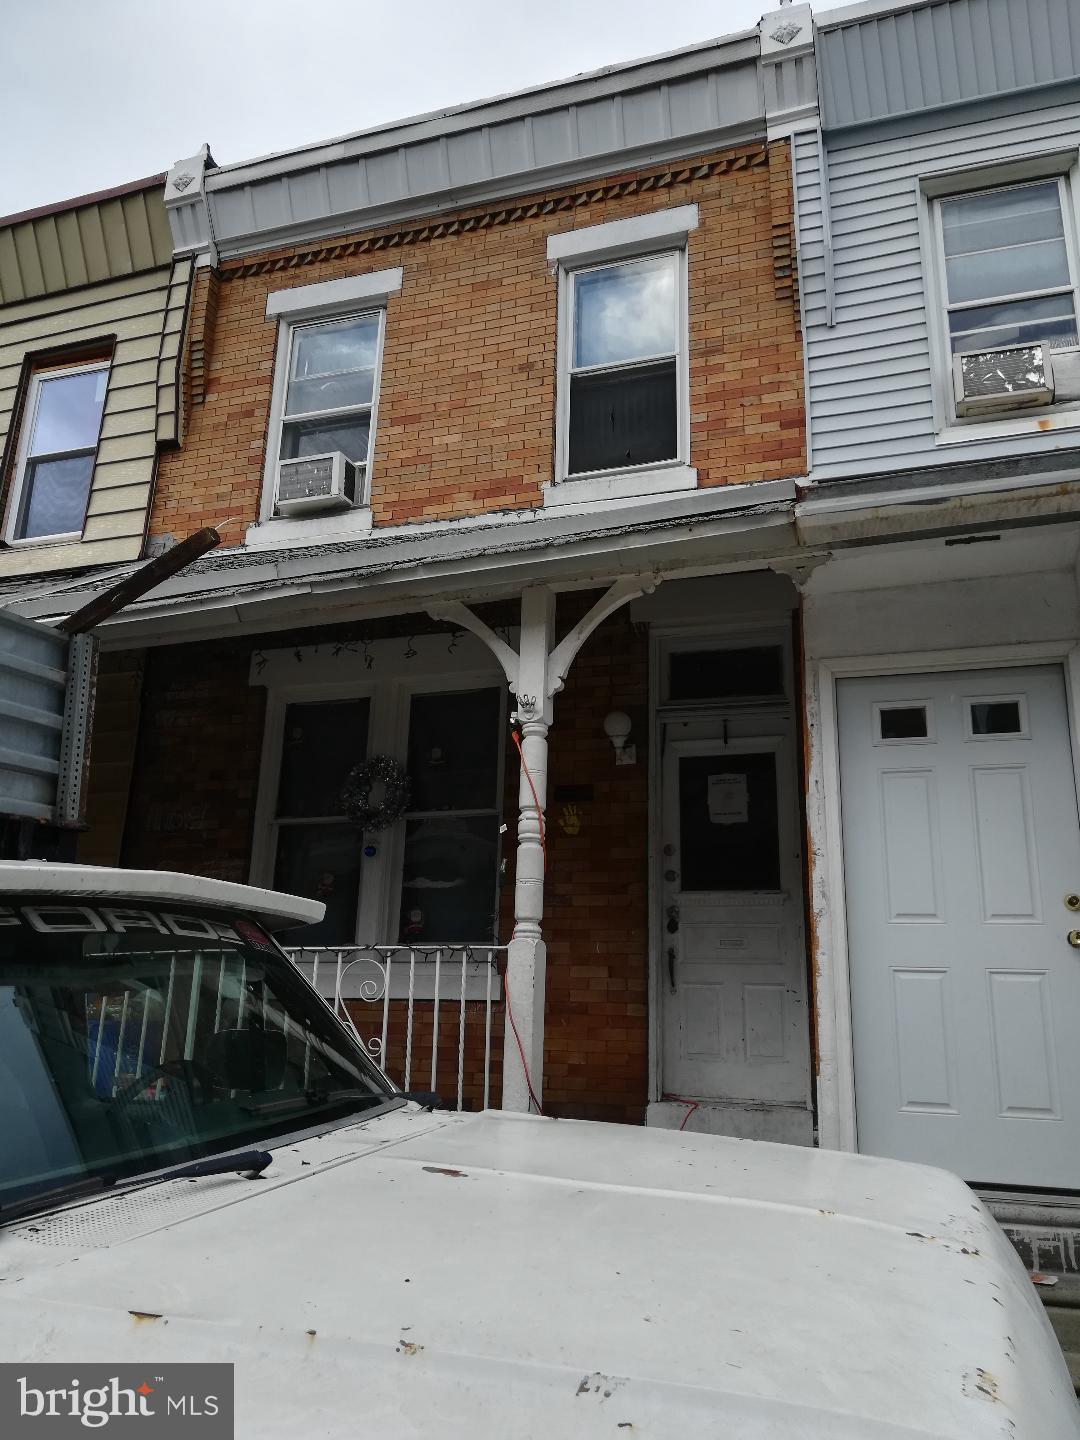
column 729, row 800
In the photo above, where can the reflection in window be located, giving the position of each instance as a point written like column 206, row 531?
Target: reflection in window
column 1008, row 279
column 64, row 417
column 449, row 880
column 331, row 388
column 317, row 851
column 623, row 370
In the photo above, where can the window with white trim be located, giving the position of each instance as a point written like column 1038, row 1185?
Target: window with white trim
column 331, row 389
column 57, row 449
column 623, row 355
column 1009, row 266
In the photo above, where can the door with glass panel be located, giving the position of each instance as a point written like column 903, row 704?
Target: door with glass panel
column 317, row 850
column 962, row 878
column 449, row 868
column 732, row 972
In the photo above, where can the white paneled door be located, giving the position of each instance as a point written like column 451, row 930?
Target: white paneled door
column 962, row 863
column 733, row 960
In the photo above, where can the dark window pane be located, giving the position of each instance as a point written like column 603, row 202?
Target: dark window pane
column 729, row 832
column 320, row 745
column 54, row 496
column 449, row 880
column 454, row 750
column 996, row 717
column 723, row 674
column 349, row 434
column 623, row 417
column 904, row 722
column 321, row 862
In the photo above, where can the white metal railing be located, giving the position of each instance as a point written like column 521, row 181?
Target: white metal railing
column 411, row 989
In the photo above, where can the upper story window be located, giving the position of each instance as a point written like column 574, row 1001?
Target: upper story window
column 1007, row 286
column 623, row 416
column 623, row 389
column 58, row 443
column 330, row 394
column 323, row 412
column 1009, row 275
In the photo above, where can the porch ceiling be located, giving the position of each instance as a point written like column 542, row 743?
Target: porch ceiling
column 240, row 591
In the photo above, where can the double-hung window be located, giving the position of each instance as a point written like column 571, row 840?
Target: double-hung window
column 330, row 392
column 56, row 454
column 623, row 414
column 623, row 372
column 327, row 367
column 1009, row 269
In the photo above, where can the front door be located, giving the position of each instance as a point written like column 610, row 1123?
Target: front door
column 732, row 958
column 961, row 850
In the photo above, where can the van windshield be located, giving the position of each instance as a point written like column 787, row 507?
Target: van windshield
column 135, row 1038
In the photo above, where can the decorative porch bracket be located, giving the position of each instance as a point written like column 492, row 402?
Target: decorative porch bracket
column 535, row 672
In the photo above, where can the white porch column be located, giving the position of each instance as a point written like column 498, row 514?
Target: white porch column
column 535, row 672
column 526, row 965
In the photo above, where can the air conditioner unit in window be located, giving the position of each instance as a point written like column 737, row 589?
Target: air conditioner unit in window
column 318, row 482
column 989, row 381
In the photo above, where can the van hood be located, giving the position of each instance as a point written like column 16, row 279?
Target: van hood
column 501, row 1275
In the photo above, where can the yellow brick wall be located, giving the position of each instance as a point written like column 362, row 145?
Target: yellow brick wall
column 467, row 403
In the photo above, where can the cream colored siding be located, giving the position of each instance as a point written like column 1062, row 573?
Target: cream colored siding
column 142, row 315
column 95, row 242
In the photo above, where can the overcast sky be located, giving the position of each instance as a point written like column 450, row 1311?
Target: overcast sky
column 98, row 92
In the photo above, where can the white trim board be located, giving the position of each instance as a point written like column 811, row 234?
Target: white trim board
column 328, row 296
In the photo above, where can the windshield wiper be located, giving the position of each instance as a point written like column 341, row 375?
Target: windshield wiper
column 75, row 1190
column 248, row 1162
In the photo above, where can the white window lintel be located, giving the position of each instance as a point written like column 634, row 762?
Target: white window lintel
column 302, row 302
column 623, row 237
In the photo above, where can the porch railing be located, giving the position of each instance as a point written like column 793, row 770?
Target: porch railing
column 423, row 1013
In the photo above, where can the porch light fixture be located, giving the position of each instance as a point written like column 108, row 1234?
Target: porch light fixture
column 617, row 729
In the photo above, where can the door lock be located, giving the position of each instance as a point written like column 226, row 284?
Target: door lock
column 1073, row 937
column 1072, row 902
column 673, row 920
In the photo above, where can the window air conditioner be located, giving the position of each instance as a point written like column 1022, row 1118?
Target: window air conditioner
column 989, row 381
column 318, row 482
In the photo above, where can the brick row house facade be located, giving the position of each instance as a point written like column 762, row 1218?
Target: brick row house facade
column 637, row 426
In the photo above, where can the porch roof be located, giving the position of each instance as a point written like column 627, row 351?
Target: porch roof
column 239, row 590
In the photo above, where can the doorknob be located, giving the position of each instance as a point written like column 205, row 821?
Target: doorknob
column 673, row 920
column 1073, row 937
